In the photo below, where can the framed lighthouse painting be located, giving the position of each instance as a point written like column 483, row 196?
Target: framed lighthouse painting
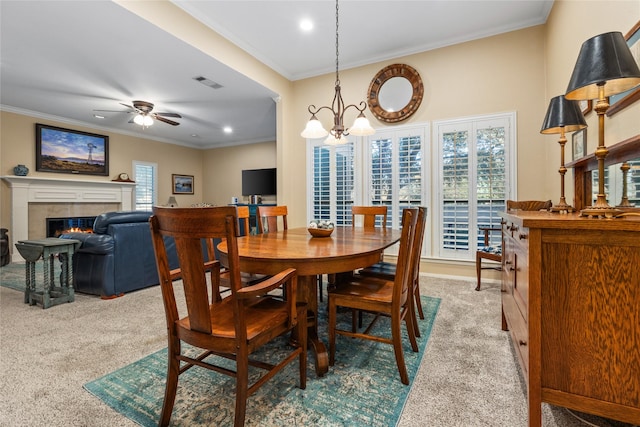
column 71, row 151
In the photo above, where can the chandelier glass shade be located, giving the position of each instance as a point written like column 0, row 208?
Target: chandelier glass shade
column 338, row 133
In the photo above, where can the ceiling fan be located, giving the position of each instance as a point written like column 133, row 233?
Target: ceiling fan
column 144, row 115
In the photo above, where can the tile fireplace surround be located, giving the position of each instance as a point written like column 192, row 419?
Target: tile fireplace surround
column 33, row 199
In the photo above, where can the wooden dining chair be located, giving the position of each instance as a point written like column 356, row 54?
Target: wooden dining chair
column 390, row 298
column 268, row 218
column 366, row 216
column 493, row 253
column 387, row 270
column 233, row 327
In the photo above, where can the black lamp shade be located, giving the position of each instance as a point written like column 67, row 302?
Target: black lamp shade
column 605, row 58
column 563, row 114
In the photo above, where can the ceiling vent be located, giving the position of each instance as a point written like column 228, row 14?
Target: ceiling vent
column 205, row 81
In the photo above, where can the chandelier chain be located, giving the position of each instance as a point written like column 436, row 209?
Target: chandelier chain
column 337, row 51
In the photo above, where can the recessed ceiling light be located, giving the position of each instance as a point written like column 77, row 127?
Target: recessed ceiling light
column 306, row 25
column 97, row 116
column 227, row 129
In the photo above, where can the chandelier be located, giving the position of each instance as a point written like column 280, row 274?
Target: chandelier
column 338, row 133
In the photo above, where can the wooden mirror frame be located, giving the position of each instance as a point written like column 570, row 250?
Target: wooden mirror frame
column 388, row 72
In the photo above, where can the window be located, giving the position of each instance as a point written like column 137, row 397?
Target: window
column 146, row 178
column 332, row 189
column 396, row 171
column 475, row 180
column 386, row 169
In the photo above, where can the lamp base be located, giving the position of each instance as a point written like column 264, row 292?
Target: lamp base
column 600, row 212
column 562, row 207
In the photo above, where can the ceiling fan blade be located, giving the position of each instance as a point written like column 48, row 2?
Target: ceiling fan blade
column 115, row 111
column 162, row 119
column 129, row 106
column 177, row 116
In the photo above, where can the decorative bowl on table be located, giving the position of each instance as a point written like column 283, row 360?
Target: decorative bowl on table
column 320, row 228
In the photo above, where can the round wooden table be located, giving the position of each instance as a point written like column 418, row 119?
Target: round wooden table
column 347, row 249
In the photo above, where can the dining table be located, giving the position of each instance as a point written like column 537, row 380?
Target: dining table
column 345, row 250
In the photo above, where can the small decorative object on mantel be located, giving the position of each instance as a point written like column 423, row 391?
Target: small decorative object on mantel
column 21, row 170
column 123, row 177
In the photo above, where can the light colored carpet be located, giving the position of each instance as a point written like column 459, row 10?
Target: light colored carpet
column 468, row 376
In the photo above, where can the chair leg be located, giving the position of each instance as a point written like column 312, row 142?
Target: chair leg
column 416, row 307
column 396, row 335
column 478, row 270
column 320, row 287
column 173, row 370
column 411, row 322
column 302, row 337
column 242, row 385
column 332, row 331
column 418, row 300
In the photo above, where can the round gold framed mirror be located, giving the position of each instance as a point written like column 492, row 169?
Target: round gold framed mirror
column 395, row 93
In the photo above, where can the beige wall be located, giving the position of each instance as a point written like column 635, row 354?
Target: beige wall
column 17, row 146
column 223, row 170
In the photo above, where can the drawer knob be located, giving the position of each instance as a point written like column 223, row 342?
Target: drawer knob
column 523, row 342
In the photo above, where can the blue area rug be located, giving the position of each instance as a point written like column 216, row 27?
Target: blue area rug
column 362, row 389
column 13, row 275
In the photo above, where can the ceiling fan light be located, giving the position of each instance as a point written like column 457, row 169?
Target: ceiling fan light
column 314, row 129
column 143, row 120
column 361, row 126
column 139, row 120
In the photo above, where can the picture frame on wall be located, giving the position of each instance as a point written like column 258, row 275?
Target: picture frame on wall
column 579, row 144
column 623, row 100
column 586, row 106
column 71, row 151
column 182, row 184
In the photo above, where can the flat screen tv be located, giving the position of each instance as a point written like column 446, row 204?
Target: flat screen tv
column 261, row 182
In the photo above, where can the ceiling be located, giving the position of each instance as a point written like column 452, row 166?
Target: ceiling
column 61, row 60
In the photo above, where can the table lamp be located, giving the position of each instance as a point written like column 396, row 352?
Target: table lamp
column 605, row 67
column 562, row 116
column 172, row 202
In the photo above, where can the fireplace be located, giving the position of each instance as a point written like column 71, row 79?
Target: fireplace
column 35, row 198
column 58, row 226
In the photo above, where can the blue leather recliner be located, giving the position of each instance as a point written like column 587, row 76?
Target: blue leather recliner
column 118, row 256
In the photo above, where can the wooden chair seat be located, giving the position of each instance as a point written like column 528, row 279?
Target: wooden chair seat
column 259, row 318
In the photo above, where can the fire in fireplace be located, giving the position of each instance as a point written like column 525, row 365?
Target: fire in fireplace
column 58, row 226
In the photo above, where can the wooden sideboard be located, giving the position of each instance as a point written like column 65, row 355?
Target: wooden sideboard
column 571, row 301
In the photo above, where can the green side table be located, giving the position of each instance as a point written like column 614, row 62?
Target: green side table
column 32, row 251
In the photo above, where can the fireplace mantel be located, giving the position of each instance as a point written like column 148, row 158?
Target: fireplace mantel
column 26, row 190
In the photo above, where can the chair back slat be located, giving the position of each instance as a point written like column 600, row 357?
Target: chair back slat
column 369, row 214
